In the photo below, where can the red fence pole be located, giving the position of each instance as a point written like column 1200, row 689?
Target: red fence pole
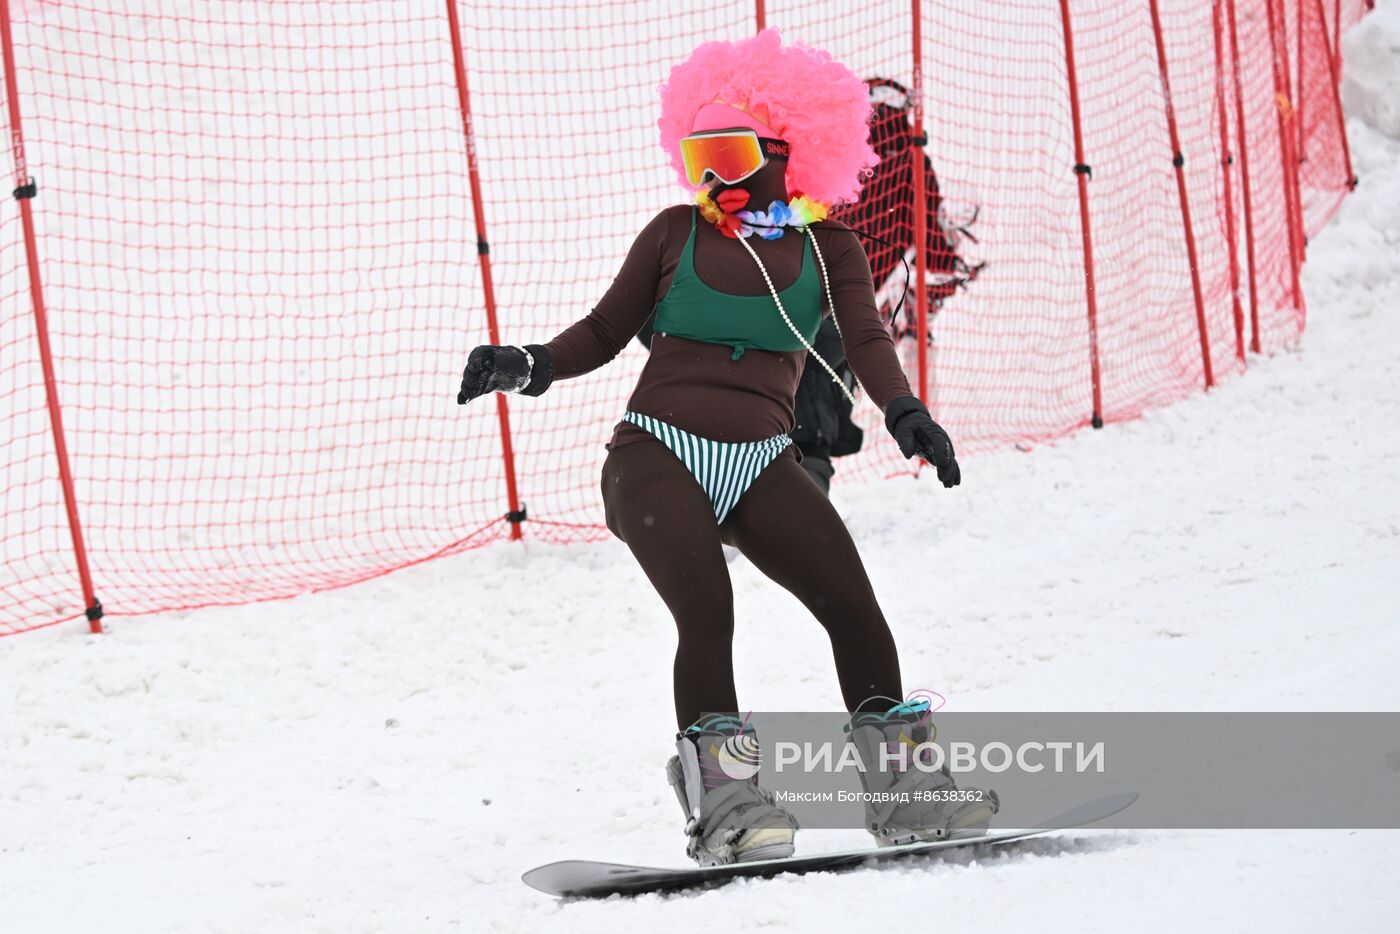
column 516, row 516
column 916, row 156
column 25, row 190
column 1298, row 94
column 1179, row 161
column 1226, row 161
column 761, row 15
column 1242, row 135
column 1292, row 194
column 1336, row 79
column 1082, row 172
column 1336, row 29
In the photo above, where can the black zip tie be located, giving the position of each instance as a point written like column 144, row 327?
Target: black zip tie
column 482, row 247
column 921, row 140
column 1178, row 160
column 516, row 518
column 26, row 191
column 94, row 612
column 1082, row 169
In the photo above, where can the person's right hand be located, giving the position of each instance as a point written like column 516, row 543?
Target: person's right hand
column 492, row 368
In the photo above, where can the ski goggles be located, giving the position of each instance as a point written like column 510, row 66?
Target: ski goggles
column 729, row 155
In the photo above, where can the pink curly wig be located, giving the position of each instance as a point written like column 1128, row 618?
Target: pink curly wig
column 811, row 100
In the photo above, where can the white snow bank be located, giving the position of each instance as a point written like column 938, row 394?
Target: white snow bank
column 1371, row 72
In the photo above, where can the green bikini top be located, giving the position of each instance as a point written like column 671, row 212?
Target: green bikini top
column 693, row 310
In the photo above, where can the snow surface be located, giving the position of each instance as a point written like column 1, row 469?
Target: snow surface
column 390, row 757
column 1371, row 74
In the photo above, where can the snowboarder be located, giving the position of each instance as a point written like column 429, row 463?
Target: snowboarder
column 768, row 137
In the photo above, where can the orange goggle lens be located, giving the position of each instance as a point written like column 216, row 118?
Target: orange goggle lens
column 730, row 156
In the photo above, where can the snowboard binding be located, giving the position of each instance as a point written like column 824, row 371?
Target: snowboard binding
column 729, row 818
column 916, row 803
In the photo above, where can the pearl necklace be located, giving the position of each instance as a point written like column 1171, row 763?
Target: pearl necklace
column 826, row 281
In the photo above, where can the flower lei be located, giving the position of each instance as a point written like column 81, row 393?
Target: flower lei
column 736, row 223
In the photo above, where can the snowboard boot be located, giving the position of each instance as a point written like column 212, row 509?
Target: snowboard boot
column 729, row 819
column 924, row 804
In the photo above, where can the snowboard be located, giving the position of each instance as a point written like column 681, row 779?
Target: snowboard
column 581, row 878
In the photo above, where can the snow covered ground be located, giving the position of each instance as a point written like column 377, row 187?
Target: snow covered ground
column 390, row 757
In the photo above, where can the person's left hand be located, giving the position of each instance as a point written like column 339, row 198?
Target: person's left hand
column 917, row 433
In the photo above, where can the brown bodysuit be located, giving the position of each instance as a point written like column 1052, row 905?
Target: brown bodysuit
column 782, row 523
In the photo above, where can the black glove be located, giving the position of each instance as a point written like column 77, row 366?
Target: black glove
column 908, row 420
column 492, row 368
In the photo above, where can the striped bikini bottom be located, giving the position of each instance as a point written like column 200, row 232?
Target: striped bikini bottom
column 723, row 469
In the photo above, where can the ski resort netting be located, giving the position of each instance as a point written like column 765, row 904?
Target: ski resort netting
column 251, row 245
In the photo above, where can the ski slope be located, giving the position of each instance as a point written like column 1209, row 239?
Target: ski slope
column 392, row 756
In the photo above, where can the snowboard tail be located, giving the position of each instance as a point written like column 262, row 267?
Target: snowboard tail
column 580, row 878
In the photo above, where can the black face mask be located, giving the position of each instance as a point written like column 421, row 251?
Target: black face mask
column 762, row 180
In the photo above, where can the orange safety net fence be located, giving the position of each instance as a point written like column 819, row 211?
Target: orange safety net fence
column 252, row 243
